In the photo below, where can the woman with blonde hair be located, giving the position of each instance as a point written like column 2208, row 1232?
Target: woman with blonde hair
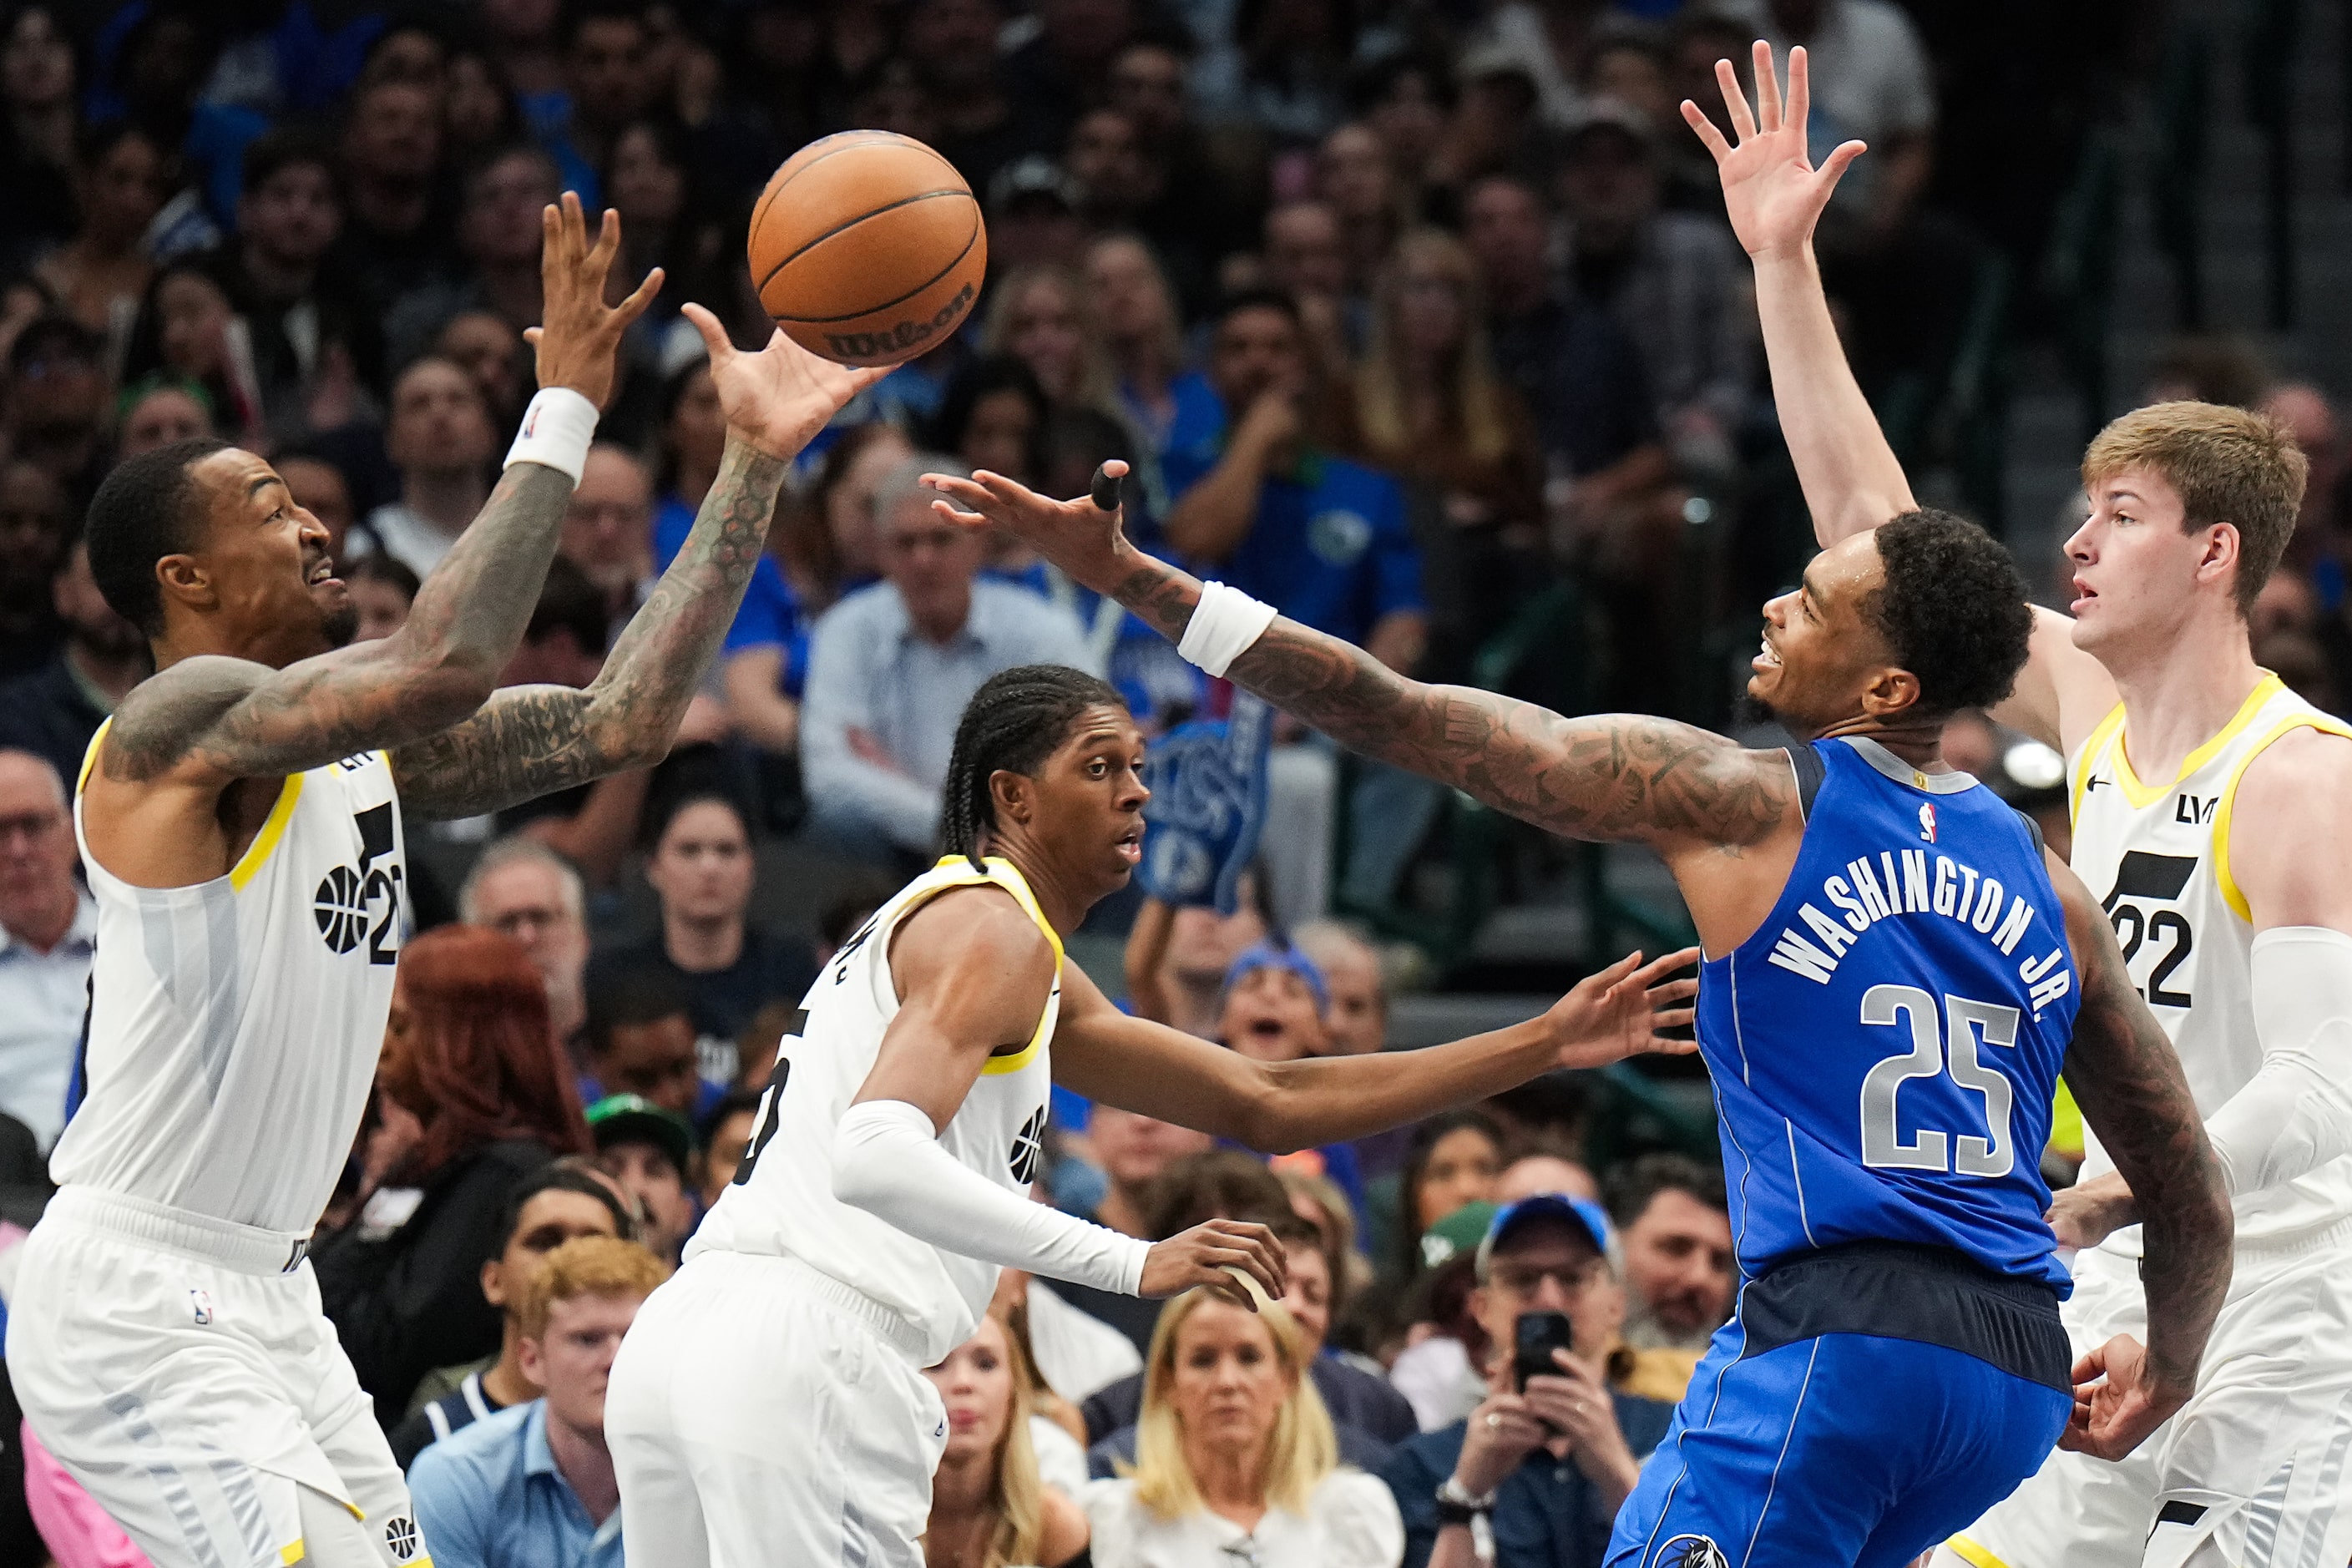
column 988, row 1507
column 1235, row 1459
column 1039, row 316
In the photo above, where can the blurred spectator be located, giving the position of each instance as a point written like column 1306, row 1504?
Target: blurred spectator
column 319, row 486
column 1453, row 1160
column 1354, row 177
column 1032, row 216
column 1057, row 72
column 35, row 529
column 1039, row 316
column 534, row 1487
column 1177, row 959
column 639, row 1040
column 53, row 712
column 48, row 928
column 1674, row 282
column 38, row 76
column 1135, row 1151
column 833, row 545
column 1408, row 100
column 732, row 1121
column 608, row 529
column 1370, row 1418
column 1876, row 86
column 1320, row 538
column 54, row 411
column 1275, row 1004
column 1305, row 257
column 701, row 873
column 520, row 889
column 990, row 417
column 1356, row 1021
column 651, row 179
column 440, row 438
column 1284, row 71
column 315, row 337
column 188, row 328
column 497, row 237
column 98, row 276
column 397, row 219
column 2317, row 546
column 1680, row 1271
column 988, row 1503
column 157, row 411
column 1215, row 1184
column 648, row 1149
column 981, row 125
column 1545, row 1171
column 485, row 346
column 1203, row 211
column 478, row 113
column 1549, row 1459
column 2208, row 367
column 383, row 591
column 469, row 1053
column 1431, row 408
column 1115, row 180
column 1231, row 1426
column 545, row 1210
column 892, row 666
column 608, row 81
column 1144, row 336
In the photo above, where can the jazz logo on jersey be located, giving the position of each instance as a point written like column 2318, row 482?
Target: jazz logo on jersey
column 400, row 1537
column 347, row 896
column 1927, row 820
column 202, row 1302
column 1028, row 1147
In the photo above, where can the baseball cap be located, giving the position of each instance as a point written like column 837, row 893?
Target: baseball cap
column 1032, row 175
column 1583, row 1213
column 634, row 1118
column 1612, row 114
column 1457, row 1234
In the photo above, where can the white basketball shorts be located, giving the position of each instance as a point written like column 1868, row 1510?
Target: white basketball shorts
column 762, row 1413
column 2253, row 1472
column 181, row 1371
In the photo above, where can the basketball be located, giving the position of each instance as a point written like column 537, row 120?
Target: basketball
column 867, row 247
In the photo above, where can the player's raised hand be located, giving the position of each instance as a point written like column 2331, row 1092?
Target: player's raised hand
column 1772, row 189
column 579, row 336
column 779, row 398
column 1208, row 1254
column 1624, row 1011
column 2119, row 1399
column 1082, row 537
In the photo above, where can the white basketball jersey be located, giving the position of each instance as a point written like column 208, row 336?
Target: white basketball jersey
column 235, row 1025
column 781, row 1202
column 2157, row 859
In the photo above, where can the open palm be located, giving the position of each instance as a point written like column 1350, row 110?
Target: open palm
column 1624, row 1011
column 779, row 398
column 1771, row 190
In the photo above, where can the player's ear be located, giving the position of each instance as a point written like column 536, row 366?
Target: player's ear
column 1014, row 794
column 493, row 1287
column 184, row 579
column 1892, row 691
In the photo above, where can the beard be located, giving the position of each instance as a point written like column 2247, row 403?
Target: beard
column 339, row 626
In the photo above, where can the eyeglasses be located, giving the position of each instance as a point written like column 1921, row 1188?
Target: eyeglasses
column 1526, row 1279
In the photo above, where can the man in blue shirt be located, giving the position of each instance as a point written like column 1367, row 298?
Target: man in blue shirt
column 532, row 1487
column 1534, row 1477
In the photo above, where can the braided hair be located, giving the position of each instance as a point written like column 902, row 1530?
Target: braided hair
column 1014, row 722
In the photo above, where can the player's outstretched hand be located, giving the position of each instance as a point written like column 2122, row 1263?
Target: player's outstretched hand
column 1081, row 537
column 2087, row 1213
column 1771, row 188
column 579, row 336
column 779, row 398
column 1624, row 1011
column 1208, row 1254
column 2119, row 1399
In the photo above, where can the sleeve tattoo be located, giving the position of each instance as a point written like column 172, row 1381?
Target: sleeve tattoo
column 531, row 740
column 1605, row 777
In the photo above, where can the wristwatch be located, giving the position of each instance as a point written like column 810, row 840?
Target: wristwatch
column 1457, row 1504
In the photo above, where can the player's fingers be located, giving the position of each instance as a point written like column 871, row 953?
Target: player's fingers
column 1673, row 991
column 630, row 309
column 964, row 492
column 2092, row 1367
column 1801, row 88
column 576, row 228
column 715, row 339
column 1768, row 88
column 550, row 231
column 963, row 519
column 863, row 376
column 1841, row 158
column 1709, row 137
column 1672, row 1017
column 1666, row 964
column 608, row 239
column 1735, row 101
column 1667, row 1046
column 1010, row 492
column 531, row 335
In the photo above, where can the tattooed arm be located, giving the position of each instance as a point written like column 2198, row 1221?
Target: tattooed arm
column 531, row 740
column 1617, row 776
column 2126, row 1078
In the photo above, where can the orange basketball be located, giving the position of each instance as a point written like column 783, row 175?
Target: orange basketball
column 867, row 247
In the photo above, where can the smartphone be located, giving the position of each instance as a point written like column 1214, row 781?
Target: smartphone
column 1536, row 1335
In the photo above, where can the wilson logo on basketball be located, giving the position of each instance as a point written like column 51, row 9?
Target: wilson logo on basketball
column 1029, row 1147
column 905, row 335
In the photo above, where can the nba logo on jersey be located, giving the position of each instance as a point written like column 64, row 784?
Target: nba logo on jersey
column 1928, row 821
column 202, row 1302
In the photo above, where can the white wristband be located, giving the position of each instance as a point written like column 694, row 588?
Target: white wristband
column 1223, row 623
column 556, row 430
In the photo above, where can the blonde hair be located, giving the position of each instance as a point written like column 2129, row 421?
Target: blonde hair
column 2228, row 465
column 587, row 1266
column 1171, row 333
column 1094, row 388
column 1302, row 1449
column 1016, row 1494
column 1474, row 404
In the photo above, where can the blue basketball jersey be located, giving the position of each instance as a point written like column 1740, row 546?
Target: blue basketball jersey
column 1886, row 1047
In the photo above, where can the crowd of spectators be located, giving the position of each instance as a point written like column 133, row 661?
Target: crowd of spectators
column 1410, row 321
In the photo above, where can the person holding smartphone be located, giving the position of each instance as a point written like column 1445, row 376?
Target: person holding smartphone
column 1535, row 1476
